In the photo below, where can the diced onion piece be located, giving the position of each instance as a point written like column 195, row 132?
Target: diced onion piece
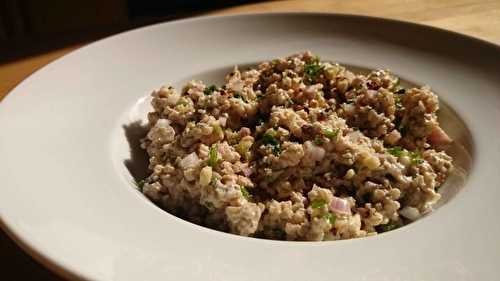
column 313, row 152
column 205, row 175
column 190, row 161
column 439, row 137
column 410, row 213
column 162, row 123
column 340, row 206
column 236, row 85
column 173, row 98
column 247, row 171
column 222, row 121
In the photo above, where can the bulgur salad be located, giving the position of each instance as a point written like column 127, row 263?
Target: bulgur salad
column 296, row 149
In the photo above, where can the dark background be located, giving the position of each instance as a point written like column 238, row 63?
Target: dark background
column 28, row 27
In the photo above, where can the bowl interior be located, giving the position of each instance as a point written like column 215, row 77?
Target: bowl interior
column 133, row 161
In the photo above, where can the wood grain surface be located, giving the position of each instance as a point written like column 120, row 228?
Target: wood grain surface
column 476, row 18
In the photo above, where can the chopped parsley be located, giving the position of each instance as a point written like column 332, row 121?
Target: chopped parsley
column 245, row 193
column 313, row 68
column 331, row 134
column 212, row 155
column 400, row 91
column 237, row 95
column 396, row 82
column 209, row 205
column 331, row 218
column 397, row 102
column 210, row 89
column 415, row 156
column 213, row 181
column 268, row 139
column 387, row 227
column 318, row 141
column 140, row 184
column 396, row 151
column 277, row 150
column 318, row 204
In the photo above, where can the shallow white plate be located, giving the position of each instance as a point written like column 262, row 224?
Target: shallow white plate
column 67, row 197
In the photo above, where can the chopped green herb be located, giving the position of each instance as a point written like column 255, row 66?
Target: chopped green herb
column 400, row 91
column 318, row 204
column 268, row 139
column 396, row 82
column 397, row 102
column 331, row 134
column 418, row 161
column 331, row 218
column 237, row 95
column 210, row 89
column 140, row 184
column 245, row 193
column 396, row 151
column 387, row 227
column 277, row 150
column 313, row 69
column 290, row 101
column 260, row 96
column 213, row 181
column 415, row 157
column 209, row 205
column 318, row 141
column 212, row 155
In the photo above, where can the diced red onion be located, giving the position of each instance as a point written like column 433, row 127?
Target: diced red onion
column 222, row 148
column 340, row 206
column 222, row 121
column 247, row 171
column 439, row 137
column 237, row 85
column 314, row 152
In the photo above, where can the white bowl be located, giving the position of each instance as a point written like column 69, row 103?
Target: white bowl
column 68, row 198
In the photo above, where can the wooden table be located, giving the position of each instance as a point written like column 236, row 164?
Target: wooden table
column 478, row 18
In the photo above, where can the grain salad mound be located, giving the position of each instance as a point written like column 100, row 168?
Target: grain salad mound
column 296, row 149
